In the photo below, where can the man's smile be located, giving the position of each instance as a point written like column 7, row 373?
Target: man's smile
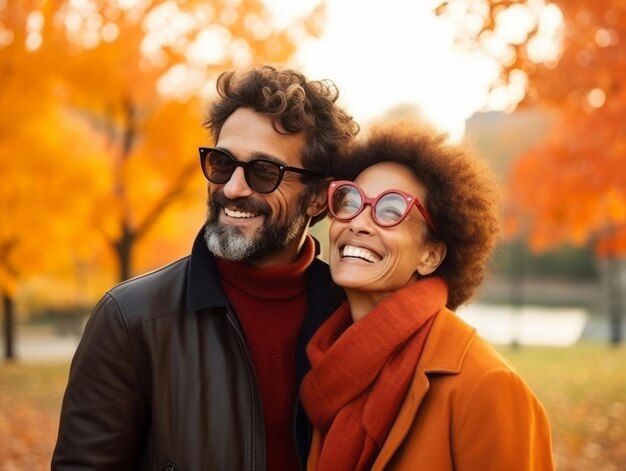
column 239, row 214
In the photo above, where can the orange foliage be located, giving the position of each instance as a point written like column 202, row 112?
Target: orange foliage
column 122, row 83
column 592, row 57
column 572, row 187
column 582, row 165
column 98, row 144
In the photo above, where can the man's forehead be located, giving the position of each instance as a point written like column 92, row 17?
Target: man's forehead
column 247, row 133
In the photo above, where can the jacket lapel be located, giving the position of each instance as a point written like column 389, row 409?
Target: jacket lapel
column 445, row 349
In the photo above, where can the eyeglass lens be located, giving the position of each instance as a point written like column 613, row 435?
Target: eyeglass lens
column 261, row 176
column 347, row 203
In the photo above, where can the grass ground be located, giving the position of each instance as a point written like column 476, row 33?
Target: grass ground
column 583, row 389
column 30, row 402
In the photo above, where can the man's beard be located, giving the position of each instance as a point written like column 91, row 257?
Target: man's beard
column 232, row 243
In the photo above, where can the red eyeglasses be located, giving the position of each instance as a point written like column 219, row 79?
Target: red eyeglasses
column 346, row 201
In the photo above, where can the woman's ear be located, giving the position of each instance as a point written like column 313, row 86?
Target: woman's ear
column 432, row 258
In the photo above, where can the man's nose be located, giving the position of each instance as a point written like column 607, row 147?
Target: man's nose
column 237, row 186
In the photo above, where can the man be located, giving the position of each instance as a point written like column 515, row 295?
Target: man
column 197, row 366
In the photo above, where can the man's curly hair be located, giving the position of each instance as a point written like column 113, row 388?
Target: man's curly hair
column 462, row 196
column 294, row 104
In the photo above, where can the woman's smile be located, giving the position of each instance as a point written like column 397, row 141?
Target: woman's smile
column 351, row 252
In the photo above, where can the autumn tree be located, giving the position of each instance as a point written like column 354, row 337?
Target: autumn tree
column 581, row 80
column 137, row 73
column 100, row 121
column 43, row 166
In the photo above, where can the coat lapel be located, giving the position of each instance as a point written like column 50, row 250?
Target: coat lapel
column 445, row 349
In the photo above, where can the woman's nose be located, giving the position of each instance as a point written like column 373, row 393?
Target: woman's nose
column 237, row 186
column 363, row 223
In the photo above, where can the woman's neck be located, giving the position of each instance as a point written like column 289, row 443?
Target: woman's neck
column 362, row 302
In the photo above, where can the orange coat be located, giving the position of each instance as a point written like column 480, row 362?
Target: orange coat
column 467, row 410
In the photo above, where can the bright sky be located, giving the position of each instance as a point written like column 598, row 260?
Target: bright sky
column 384, row 53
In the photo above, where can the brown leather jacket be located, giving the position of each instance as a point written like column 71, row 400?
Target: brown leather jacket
column 163, row 380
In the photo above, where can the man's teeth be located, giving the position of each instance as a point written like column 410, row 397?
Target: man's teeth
column 238, row 214
column 351, row 251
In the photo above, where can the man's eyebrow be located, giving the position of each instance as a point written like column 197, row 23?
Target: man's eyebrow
column 256, row 155
column 264, row 156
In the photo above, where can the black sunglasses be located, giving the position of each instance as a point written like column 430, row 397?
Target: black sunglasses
column 263, row 176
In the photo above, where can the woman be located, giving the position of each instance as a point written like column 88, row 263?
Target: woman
column 397, row 380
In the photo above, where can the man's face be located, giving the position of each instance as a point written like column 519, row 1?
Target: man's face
column 242, row 224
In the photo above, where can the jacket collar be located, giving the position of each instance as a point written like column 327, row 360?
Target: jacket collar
column 204, row 289
column 447, row 344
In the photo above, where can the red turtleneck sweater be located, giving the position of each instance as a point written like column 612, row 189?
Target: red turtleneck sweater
column 270, row 304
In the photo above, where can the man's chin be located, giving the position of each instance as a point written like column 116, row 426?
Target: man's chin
column 228, row 242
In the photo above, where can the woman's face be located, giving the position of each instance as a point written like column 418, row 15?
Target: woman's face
column 370, row 258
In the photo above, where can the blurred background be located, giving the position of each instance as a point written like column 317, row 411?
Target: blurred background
column 101, row 103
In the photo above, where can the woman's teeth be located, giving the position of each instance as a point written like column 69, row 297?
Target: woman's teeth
column 357, row 252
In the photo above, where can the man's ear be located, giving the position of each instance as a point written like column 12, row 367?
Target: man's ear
column 432, row 258
column 318, row 199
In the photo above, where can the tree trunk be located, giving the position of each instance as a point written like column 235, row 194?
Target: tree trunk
column 516, row 293
column 124, row 250
column 8, row 305
column 615, row 300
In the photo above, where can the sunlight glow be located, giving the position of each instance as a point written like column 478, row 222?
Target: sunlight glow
column 72, row 21
column 514, row 24
column 228, row 16
column 35, row 21
column 33, row 41
column 596, row 98
column 110, row 32
column 34, row 25
column 546, row 46
column 127, row 4
column 283, row 12
column 497, row 47
column 166, row 26
column 6, row 37
column 209, row 47
column 506, row 96
column 606, row 37
column 240, row 52
column 408, row 58
column 169, row 83
column 259, row 27
column 83, row 22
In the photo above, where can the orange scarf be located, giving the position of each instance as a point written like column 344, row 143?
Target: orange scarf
column 360, row 372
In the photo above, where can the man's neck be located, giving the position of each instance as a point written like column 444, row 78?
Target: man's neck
column 286, row 256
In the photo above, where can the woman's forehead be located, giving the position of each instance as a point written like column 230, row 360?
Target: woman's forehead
column 389, row 175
